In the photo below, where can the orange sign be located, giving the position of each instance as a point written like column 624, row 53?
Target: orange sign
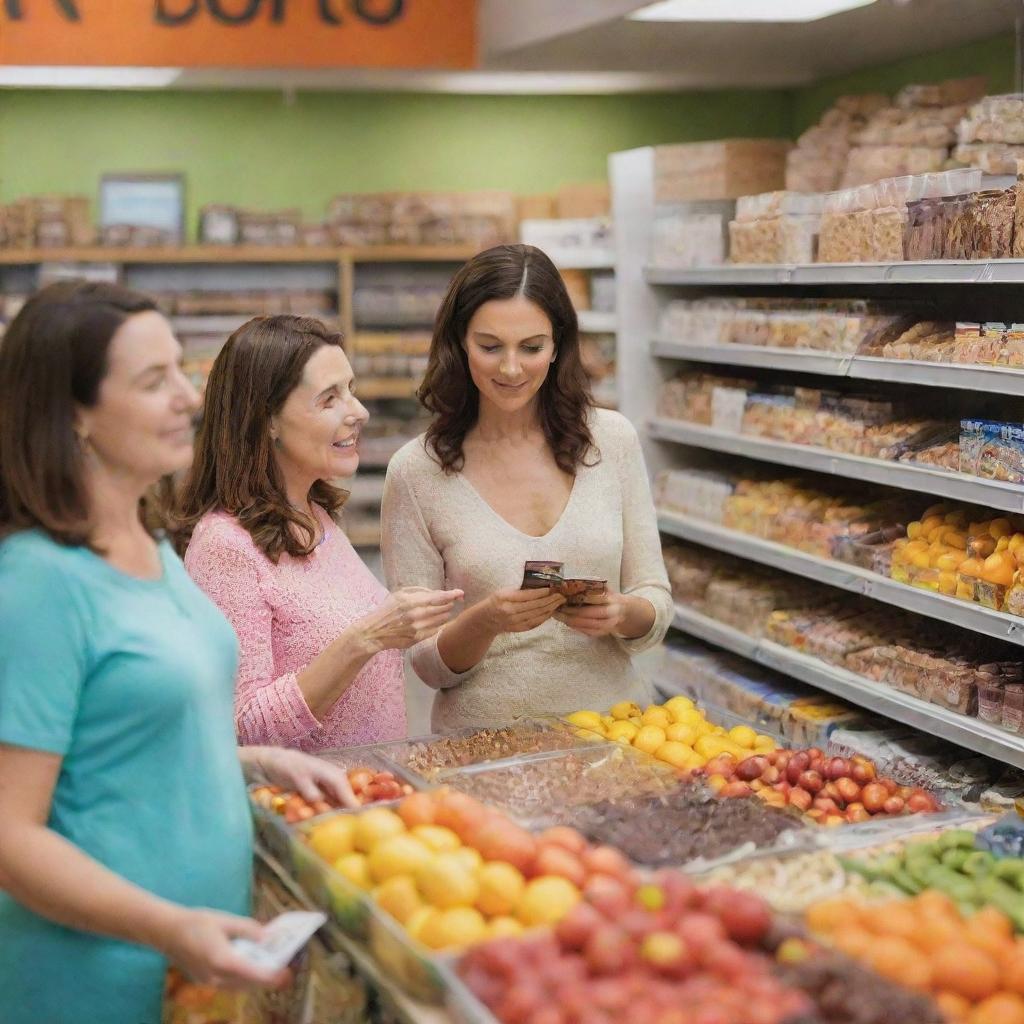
column 240, row 33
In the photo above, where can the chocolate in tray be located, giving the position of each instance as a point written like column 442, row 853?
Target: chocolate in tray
column 577, row 591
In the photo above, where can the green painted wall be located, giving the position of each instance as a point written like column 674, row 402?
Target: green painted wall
column 255, row 149
column 258, row 150
column 991, row 57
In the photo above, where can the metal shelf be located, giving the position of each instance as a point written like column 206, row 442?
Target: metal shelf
column 960, row 486
column 967, row 732
column 923, row 272
column 964, row 376
column 851, row 578
column 593, row 322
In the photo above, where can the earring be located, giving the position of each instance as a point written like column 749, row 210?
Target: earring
column 277, row 442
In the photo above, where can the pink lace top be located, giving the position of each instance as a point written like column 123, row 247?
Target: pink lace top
column 285, row 615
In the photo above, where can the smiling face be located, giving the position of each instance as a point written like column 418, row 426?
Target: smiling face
column 316, row 433
column 510, row 347
column 141, row 425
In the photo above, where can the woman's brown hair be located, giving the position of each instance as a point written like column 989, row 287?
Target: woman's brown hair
column 448, row 390
column 52, row 359
column 234, row 468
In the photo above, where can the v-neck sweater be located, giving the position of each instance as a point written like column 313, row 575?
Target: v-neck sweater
column 439, row 532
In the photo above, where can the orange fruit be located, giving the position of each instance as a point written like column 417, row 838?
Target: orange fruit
column 990, row 931
column 501, row 888
column 1003, row 1008
column 853, row 940
column 894, row 919
column 1013, row 969
column 828, row 915
column 896, row 959
column 965, row 970
column 954, row 1008
column 936, row 932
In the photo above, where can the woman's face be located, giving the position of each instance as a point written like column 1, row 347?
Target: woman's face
column 141, row 425
column 316, row 433
column 510, row 346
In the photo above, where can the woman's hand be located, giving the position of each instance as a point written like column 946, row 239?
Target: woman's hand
column 312, row 778
column 519, row 611
column 407, row 617
column 199, row 942
column 615, row 615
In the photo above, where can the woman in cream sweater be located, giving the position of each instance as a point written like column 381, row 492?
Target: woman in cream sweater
column 519, row 466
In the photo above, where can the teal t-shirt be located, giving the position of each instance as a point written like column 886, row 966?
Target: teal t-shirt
column 131, row 682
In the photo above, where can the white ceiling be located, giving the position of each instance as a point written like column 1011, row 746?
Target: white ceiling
column 590, row 46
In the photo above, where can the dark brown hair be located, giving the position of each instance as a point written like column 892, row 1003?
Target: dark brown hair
column 448, row 390
column 52, row 359
column 234, row 469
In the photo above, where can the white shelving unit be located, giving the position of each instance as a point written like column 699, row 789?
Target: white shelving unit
column 945, row 483
column 595, row 322
column 646, row 360
column 852, row 578
column 967, row 732
column 990, row 379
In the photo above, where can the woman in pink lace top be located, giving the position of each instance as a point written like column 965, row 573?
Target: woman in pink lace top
column 321, row 640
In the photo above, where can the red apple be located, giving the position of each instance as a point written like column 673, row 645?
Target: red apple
column 751, row 768
column 921, row 803
column 849, row 791
column 745, row 917
column 800, row 799
column 609, row 950
column 771, row 775
column 873, row 796
column 811, row 781
column 575, row 929
column 608, row 895
column 823, row 803
column 837, row 768
column 667, row 953
column 856, row 813
column 735, row 789
column 894, row 805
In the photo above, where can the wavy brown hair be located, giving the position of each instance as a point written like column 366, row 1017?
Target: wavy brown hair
column 234, row 469
column 54, row 358
column 448, row 390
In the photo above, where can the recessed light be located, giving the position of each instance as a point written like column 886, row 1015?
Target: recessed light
column 745, row 10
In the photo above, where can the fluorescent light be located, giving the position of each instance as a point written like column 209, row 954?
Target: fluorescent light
column 745, row 10
column 68, row 77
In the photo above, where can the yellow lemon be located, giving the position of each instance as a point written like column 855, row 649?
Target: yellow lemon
column 437, row 837
column 374, row 826
column 586, row 720
column 709, row 746
column 688, row 716
column 623, row 732
column 468, row 857
column 649, row 738
column 419, row 920
column 678, row 703
column 399, row 855
column 353, row 866
column 693, row 761
column 398, row 896
column 501, row 888
column 680, row 732
column 717, row 782
column 446, row 881
column 673, row 753
column 592, row 735
column 453, row 928
column 334, row 838
column 763, row 742
column 607, row 721
column 546, row 900
column 743, row 735
column 504, row 928
column 625, row 709
column 656, row 716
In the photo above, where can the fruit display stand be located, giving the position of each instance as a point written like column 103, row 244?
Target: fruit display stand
column 951, row 290
column 499, row 888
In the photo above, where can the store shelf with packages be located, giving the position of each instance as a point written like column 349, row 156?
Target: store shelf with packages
column 969, row 733
column 925, row 272
column 852, row 578
column 997, row 380
column 596, row 322
column 948, row 484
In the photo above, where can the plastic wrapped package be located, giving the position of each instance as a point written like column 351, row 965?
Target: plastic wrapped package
column 700, row 493
column 872, row 163
column 994, row 119
column 689, row 239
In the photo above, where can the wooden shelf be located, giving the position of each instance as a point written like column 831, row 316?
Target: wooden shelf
column 387, row 387
column 240, row 254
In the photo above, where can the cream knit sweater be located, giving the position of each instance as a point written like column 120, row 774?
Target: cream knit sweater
column 438, row 532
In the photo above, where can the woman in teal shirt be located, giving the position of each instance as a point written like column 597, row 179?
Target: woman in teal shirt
column 125, row 839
